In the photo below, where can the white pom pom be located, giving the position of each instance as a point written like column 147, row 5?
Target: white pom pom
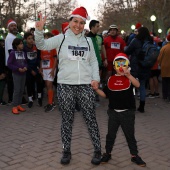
column 88, row 17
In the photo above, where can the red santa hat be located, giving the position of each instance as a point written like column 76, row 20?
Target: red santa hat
column 138, row 25
column 168, row 38
column 121, row 56
column 80, row 13
column 55, row 32
column 64, row 26
column 10, row 22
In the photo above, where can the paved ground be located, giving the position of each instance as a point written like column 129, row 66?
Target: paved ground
column 31, row 140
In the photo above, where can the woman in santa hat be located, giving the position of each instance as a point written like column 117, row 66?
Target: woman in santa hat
column 78, row 75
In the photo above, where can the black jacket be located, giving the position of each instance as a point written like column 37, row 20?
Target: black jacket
column 133, row 50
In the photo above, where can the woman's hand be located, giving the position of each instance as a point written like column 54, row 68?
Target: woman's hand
column 40, row 24
column 94, row 84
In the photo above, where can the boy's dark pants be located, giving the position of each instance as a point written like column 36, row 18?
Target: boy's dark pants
column 126, row 120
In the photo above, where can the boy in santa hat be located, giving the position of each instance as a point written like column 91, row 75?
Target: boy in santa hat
column 122, row 108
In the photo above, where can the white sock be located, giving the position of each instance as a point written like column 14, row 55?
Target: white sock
column 39, row 95
column 30, row 99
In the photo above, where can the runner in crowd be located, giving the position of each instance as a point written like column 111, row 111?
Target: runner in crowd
column 33, row 77
column 48, row 66
column 114, row 44
column 17, row 62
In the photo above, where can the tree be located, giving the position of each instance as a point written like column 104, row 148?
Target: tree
column 124, row 13
column 59, row 13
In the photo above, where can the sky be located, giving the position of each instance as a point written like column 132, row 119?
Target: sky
column 90, row 5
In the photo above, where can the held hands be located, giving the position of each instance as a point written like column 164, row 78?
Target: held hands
column 94, row 84
column 40, row 24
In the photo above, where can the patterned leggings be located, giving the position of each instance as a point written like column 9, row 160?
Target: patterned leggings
column 84, row 95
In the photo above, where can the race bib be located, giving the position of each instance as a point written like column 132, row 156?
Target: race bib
column 31, row 55
column 118, row 83
column 19, row 55
column 77, row 53
column 115, row 45
column 45, row 63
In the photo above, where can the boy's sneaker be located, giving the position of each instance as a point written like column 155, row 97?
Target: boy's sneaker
column 151, row 96
column 49, row 108
column 138, row 160
column 39, row 102
column 2, row 103
column 30, row 104
column 96, row 158
column 66, row 157
column 157, row 95
column 105, row 158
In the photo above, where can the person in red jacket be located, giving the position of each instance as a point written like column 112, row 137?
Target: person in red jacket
column 114, row 44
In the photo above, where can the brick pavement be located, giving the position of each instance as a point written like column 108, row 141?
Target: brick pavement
column 31, row 140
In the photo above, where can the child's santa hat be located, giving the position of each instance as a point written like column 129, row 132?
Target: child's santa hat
column 121, row 56
column 80, row 13
column 64, row 27
column 10, row 22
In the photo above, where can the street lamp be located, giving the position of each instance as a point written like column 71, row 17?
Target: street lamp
column 159, row 31
column 153, row 19
column 122, row 31
column 133, row 27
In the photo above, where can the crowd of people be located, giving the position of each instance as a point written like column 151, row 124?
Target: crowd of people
column 83, row 65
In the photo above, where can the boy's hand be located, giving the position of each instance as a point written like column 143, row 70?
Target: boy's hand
column 51, row 73
column 126, row 72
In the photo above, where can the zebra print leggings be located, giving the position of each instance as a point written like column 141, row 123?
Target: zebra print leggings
column 84, row 95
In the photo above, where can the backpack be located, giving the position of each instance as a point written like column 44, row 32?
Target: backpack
column 148, row 55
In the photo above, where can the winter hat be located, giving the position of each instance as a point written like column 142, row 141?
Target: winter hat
column 64, row 27
column 121, row 56
column 138, row 25
column 168, row 38
column 80, row 13
column 55, row 32
column 113, row 26
column 104, row 32
column 10, row 22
